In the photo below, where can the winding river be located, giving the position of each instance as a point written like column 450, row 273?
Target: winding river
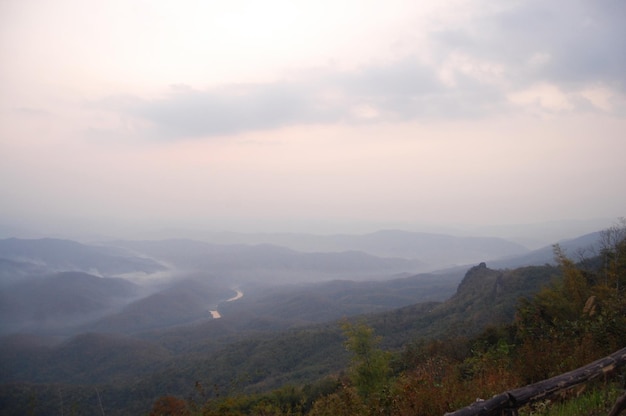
column 215, row 314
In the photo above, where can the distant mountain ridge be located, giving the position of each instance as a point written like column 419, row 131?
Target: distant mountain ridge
column 270, row 262
column 36, row 298
column 586, row 245
column 49, row 255
column 429, row 251
column 281, row 257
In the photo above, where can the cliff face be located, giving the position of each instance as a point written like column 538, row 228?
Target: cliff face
column 478, row 281
column 486, row 296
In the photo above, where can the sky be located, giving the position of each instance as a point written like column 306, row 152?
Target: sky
column 317, row 116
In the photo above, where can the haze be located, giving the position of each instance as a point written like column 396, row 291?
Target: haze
column 123, row 116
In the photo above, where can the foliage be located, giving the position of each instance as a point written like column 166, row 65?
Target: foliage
column 578, row 318
column 170, row 406
column 369, row 369
column 347, row 401
column 595, row 402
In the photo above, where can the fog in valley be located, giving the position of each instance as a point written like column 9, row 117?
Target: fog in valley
column 205, row 193
column 61, row 287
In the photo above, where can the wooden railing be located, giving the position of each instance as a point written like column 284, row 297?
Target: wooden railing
column 507, row 403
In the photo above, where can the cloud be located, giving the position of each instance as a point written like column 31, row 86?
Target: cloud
column 570, row 43
column 403, row 90
column 230, row 109
column 551, row 56
column 593, row 48
column 545, row 96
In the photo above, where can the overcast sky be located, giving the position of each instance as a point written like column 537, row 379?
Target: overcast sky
column 308, row 115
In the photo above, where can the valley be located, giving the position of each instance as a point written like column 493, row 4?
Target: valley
column 226, row 316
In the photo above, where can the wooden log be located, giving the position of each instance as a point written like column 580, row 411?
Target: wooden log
column 517, row 398
column 493, row 406
column 546, row 388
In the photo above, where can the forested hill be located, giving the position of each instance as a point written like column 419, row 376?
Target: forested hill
column 61, row 300
column 244, row 361
column 484, row 297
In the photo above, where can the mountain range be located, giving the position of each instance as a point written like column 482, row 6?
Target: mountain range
column 166, row 315
column 49, row 285
column 257, row 346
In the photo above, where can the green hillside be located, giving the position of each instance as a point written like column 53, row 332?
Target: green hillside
column 500, row 329
column 260, row 356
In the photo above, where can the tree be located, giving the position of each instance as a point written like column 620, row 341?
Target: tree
column 581, row 316
column 613, row 254
column 370, row 368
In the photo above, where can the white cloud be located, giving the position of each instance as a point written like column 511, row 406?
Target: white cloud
column 545, row 96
